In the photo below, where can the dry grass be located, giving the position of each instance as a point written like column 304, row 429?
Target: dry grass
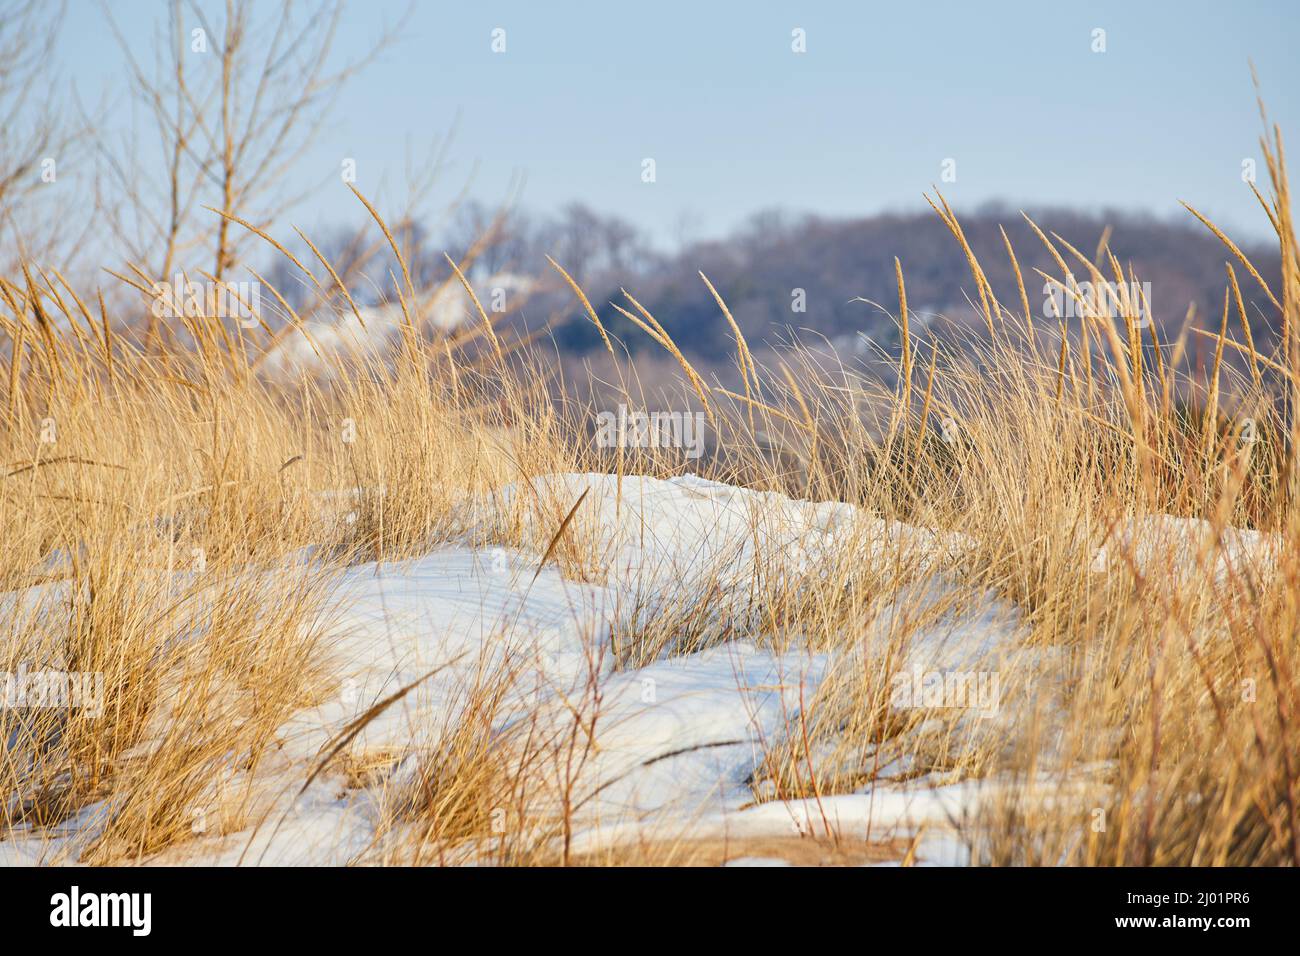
column 173, row 519
column 792, row 851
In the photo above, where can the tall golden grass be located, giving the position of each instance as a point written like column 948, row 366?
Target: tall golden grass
column 157, row 502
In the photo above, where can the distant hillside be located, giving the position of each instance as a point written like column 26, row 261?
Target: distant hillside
column 833, row 269
column 837, row 262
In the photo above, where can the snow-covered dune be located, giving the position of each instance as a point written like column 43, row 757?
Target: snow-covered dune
column 673, row 743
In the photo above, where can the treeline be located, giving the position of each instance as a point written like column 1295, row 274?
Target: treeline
column 780, row 274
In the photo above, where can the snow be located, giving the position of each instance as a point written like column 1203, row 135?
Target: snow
column 756, row 861
column 369, row 331
column 1158, row 545
column 675, row 742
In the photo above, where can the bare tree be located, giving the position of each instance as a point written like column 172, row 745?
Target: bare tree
column 234, row 103
column 587, row 243
column 33, row 141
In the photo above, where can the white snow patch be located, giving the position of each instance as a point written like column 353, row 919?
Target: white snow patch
column 675, row 741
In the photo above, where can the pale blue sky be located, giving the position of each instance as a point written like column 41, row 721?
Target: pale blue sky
column 736, row 122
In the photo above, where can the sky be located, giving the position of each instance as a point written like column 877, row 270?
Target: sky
column 736, row 121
